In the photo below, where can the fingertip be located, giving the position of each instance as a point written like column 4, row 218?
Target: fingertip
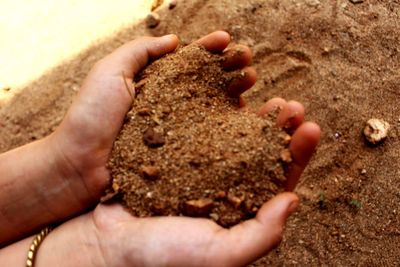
column 131, row 57
column 304, row 141
column 310, row 133
column 254, row 238
column 248, row 77
column 297, row 107
column 291, row 116
column 278, row 208
column 272, row 104
column 237, row 57
column 215, row 42
column 223, row 36
column 170, row 42
column 302, row 146
column 293, row 205
column 242, row 102
column 173, row 38
column 251, row 75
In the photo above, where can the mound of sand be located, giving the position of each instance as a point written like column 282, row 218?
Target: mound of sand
column 186, row 148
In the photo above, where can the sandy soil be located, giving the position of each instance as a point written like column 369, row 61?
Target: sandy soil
column 341, row 60
column 188, row 149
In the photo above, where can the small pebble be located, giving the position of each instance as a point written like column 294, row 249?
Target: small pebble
column 172, row 4
column 214, row 216
column 220, row 195
column 144, row 112
column 286, row 156
column 313, row 3
column 152, row 20
column 110, row 195
column 200, row 207
column 151, row 172
column 250, row 207
column 153, row 139
column 156, row 4
column 139, row 85
column 286, row 139
column 234, row 200
column 357, row 1
column 376, row 131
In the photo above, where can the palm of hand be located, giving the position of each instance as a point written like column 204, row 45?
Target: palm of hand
column 181, row 241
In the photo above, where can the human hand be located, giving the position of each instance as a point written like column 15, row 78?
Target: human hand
column 66, row 172
column 110, row 236
column 182, row 241
column 113, row 237
column 85, row 138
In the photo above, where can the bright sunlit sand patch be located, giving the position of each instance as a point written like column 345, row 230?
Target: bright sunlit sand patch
column 36, row 35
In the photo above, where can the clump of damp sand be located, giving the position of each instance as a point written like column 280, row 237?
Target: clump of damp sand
column 186, row 149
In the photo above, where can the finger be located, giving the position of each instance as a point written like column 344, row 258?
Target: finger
column 291, row 116
column 242, row 102
column 237, row 57
column 247, row 79
column 272, row 105
column 252, row 239
column 135, row 55
column 215, row 42
column 302, row 146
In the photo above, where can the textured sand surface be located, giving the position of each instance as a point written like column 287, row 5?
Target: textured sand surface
column 342, row 60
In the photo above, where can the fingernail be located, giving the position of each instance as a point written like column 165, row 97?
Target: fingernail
column 292, row 207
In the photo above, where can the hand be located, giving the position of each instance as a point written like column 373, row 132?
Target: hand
column 85, row 138
column 84, row 141
column 180, row 241
column 110, row 236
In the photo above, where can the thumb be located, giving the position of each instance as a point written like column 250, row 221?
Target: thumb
column 248, row 241
column 131, row 57
column 104, row 95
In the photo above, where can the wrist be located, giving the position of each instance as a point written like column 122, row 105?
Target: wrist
column 71, row 244
column 75, row 164
column 74, row 243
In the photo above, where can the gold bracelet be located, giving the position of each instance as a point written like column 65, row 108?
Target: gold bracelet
column 35, row 246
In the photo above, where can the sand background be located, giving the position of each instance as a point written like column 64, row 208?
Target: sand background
column 340, row 59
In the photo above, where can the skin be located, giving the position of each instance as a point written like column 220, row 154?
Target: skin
column 67, row 174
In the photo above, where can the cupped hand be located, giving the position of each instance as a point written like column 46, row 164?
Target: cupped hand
column 85, row 138
column 112, row 237
column 181, row 241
